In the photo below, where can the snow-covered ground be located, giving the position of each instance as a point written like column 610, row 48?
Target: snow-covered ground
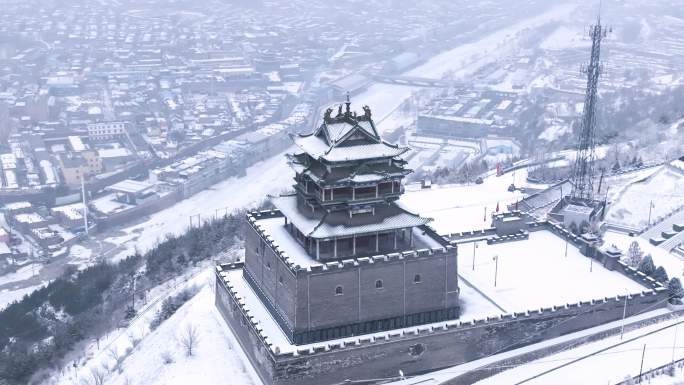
column 11, row 290
column 8, row 296
column 663, row 188
column 554, row 131
column 218, row 358
column 457, row 208
column 21, row 274
column 140, row 342
column 607, row 367
column 564, row 37
column 535, row 273
column 80, row 255
column 491, row 47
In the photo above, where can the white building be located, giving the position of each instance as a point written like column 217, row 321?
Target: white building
column 106, row 130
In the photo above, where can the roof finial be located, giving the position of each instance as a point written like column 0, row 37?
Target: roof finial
column 366, row 112
column 348, row 103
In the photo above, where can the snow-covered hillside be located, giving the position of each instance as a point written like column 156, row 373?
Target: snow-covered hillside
column 218, row 358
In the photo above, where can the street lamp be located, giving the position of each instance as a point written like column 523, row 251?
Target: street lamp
column 474, row 248
column 496, row 267
column 624, row 314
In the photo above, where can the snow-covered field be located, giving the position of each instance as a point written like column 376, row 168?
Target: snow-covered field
column 664, row 189
column 564, row 37
column 535, row 273
column 80, row 255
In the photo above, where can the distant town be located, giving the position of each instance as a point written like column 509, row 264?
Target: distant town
column 352, row 134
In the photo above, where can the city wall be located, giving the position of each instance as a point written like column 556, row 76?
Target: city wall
column 417, row 349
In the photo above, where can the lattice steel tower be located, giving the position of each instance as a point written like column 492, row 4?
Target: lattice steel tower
column 583, row 172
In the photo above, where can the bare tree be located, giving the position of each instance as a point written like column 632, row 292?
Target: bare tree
column 97, row 376
column 113, row 353
column 188, row 339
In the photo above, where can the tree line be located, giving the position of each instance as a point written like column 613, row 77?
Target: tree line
column 37, row 331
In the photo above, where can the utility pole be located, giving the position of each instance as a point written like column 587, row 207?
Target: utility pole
column 624, row 314
column 496, row 268
column 134, row 292
column 674, row 341
column 641, row 368
column 85, row 205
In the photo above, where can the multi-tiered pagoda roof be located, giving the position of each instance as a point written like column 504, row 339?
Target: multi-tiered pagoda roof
column 347, row 137
column 348, row 181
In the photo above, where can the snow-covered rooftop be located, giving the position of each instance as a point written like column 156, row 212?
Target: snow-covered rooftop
column 317, row 148
column 339, row 224
column 275, row 228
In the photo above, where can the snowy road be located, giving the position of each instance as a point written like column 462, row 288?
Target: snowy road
column 460, row 61
column 267, row 177
column 607, row 361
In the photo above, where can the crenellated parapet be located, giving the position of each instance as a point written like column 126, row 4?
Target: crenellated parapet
column 349, row 263
column 643, row 298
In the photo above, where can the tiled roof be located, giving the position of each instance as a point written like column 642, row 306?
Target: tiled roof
column 318, row 149
column 320, row 224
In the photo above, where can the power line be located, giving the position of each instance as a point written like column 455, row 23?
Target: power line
column 598, row 351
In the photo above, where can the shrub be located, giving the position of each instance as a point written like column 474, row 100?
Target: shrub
column 647, row 266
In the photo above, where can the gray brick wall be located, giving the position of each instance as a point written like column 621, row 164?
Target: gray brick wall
column 308, row 299
column 423, row 348
column 258, row 257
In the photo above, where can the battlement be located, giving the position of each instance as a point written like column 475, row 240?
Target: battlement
column 638, row 300
column 348, row 263
column 522, row 235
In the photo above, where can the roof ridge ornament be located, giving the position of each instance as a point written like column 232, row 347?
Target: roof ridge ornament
column 327, row 116
column 366, row 112
column 348, row 103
